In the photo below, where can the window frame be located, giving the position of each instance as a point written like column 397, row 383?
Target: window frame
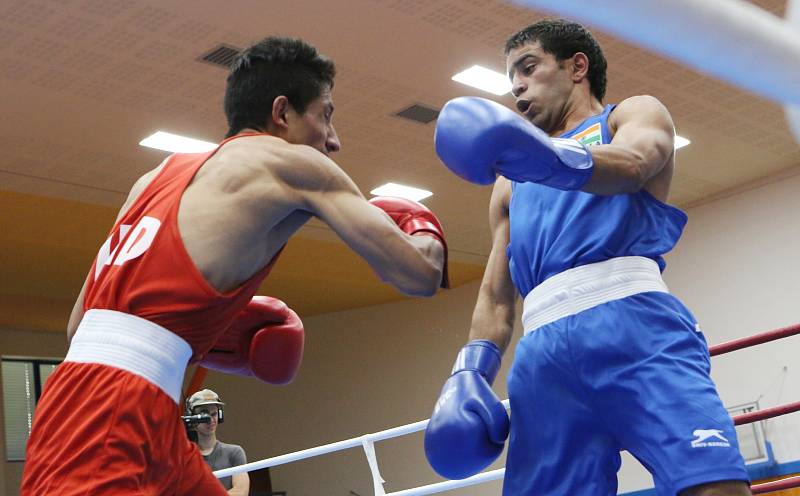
column 36, row 363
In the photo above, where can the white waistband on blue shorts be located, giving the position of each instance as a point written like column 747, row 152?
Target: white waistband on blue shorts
column 587, row 286
column 134, row 344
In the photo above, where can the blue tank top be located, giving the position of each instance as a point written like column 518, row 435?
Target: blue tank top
column 554, row 230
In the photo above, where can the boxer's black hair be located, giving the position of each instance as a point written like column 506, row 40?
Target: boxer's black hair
column 564, row 38
column 273, row 67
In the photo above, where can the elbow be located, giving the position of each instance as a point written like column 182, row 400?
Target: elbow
column 425, row 275
column 423, row 283
column 433, row 281
column 426, row 292
column 421, row 280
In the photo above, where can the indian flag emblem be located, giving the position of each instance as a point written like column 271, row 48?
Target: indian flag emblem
column 592, row 135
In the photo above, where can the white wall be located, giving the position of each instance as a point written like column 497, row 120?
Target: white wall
column 737, row 267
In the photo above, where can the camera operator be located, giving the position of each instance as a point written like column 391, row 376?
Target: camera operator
column 218, row 455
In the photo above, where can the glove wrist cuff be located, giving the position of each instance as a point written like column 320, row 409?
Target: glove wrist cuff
column 414, row 226
column 576, row 164
column 481, row 355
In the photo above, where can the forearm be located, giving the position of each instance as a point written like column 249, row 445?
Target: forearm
column 617, row 170
column 493, row 317
column 493, row 320
column 238, row 491
column 412, row 264
column 241, row 485
column 400, row 239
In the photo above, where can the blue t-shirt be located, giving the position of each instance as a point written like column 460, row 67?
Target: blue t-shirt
column 554, row 230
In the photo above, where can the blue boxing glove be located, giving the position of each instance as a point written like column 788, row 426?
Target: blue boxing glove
column 469, row 425
column 477, row 138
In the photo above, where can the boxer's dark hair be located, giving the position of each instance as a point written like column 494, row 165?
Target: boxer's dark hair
column 273, row 67
column 564, row 38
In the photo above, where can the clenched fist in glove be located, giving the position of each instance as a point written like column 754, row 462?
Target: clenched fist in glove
column 469, row 425
column 265, row 341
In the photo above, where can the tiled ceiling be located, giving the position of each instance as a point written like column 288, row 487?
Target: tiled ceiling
column 83, row 81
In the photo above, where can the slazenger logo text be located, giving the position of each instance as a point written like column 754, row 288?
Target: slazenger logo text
column 703, row 435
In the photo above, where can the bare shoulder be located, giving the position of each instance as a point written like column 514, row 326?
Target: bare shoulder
column 148, row 176
column 306, row 169
column 296, row 166
column 641, row 102
column 639, row 106
column 140, row 185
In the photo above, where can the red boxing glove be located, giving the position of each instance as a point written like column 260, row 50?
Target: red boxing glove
column 414, row 218
column 264, row 341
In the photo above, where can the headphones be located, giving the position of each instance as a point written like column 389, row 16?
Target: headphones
column 220, row 414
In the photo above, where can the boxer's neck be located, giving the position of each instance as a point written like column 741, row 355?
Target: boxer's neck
column 580, row 106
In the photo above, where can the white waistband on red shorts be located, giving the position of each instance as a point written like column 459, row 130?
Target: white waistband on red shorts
column 587, row 286
column 134, row 344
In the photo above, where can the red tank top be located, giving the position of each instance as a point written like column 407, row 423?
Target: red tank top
column 143, row 268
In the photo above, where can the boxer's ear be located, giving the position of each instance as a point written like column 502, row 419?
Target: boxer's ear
column 580, row 66
column 280, row 109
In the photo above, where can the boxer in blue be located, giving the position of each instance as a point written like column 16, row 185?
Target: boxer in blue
column 610, row 360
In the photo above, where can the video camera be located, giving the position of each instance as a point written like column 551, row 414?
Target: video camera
column 190, row 423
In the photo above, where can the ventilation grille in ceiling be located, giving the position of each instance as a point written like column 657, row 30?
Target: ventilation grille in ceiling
column 419, row 113
column 221, row 55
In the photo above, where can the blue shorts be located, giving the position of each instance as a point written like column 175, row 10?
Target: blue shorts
column 628, row 374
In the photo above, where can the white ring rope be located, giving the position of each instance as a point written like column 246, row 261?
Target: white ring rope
column 367, row 441
column 452, row 484
column 321, row 450
column 793, row 111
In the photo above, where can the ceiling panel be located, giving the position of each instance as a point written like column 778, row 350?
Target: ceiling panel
column 85, row 80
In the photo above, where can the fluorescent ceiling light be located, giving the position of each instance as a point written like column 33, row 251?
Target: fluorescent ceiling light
column 392, row 189
column 484, row 79
column 680, row 141
column 174, row 143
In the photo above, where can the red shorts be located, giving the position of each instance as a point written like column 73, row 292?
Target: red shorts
column 101, row 430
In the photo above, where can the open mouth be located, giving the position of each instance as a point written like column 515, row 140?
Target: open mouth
column 527, row 110
column 523, row 106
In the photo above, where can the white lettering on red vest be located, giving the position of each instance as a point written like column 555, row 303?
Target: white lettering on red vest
column 139, row 240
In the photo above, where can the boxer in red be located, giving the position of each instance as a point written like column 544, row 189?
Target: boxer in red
column 173, row 282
